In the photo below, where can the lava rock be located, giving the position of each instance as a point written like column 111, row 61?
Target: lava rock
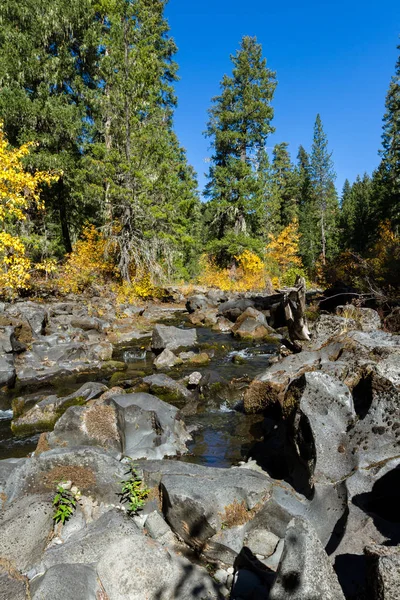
column 367, row 318
column 166, row 360
column 66, row 581
column 151, row 428
column 167, row 388
column 25, row 526
column 383, row 565
column 198, row 302
column 232, row 309
column 7, row 370
column 304, row 572
column 165, row 336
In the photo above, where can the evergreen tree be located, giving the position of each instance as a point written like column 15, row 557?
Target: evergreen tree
column 285, row 184
column 268, row 199
column 308, row 217
column 387, row 198
column 239, row 125
column 355, row 214
column 322, row 178
column 48, row 62
column 347, row 216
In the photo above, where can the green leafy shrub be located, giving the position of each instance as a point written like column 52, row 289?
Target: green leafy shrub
column 64, row 503
column 132, row 492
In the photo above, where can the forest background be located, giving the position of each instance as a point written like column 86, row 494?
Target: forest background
column 95, row 187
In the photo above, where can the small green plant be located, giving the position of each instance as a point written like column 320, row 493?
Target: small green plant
column 132, row 492
column 64, row 503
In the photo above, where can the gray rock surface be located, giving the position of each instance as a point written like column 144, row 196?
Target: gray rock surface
column 12, row 585
column 7, row 370
column 66, row 582
column 304, row 572
column 44, row 415
column 25, row 526
column 94, row 425
column 325, row 410
column 93, row 470
column 197, row 503
column 367, row 318
column 232, row 309
column 88, row 545
column 198, row 302
column 138, row 564
column 166, row 360
column 151, row 428
column 383, row 565
column 166, row 388
column 165, row 336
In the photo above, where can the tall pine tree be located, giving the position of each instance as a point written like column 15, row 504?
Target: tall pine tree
column 240, row 121
column 322, row 179
column 387, row 177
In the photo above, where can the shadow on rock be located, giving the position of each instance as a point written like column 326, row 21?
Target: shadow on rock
column 382, row 504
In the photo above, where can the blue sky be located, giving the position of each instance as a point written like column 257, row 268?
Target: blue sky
column 331, row 57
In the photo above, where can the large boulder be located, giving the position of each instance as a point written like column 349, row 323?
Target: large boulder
column 25, row 528
column 7, row 370
column 198, row 500
column 93, row 425
column 322, row 414
column 66, row 581
column 168, row 389
column 170, row 337
column 232, row 309
column 383, row 571
column 138, row 567
column 166, row 360
column 304, row 572
column 367, row 318
column 8, row 341
column 151, row 428
column 198, row 302
column 44, row 415
column 252, row 324
column 35, row 314
column 92, row 470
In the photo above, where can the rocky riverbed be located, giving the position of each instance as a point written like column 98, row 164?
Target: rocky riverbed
column 270, row 474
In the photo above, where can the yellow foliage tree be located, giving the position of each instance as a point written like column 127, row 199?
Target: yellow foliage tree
column 87, row 263
column 250, row 274
column 283, row 259
column 19, row 189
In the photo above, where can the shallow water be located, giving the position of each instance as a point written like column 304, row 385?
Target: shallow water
column 222, row 434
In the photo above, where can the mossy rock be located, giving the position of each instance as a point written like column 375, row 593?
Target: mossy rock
column 42, row 418
column 200, row 359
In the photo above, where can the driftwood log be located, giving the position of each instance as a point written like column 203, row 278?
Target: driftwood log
column 294, row 303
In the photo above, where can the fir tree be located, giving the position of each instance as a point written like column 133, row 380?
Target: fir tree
column 240, row 121
column 388, row 176
column 322, row 178
column 308, row 217
column 285, row 184
column 48, row 62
